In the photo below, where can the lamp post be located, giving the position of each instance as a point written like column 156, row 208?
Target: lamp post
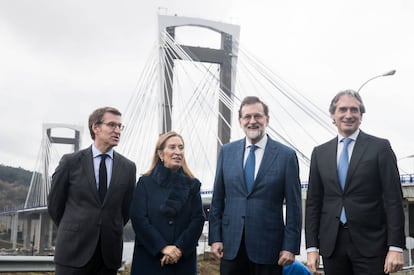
column 392, row 72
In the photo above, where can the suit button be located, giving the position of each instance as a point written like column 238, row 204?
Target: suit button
column 170, row 222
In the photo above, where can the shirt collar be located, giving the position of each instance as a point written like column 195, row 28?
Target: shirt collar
column 260, row 144
column 353, row 136
column 96, row 152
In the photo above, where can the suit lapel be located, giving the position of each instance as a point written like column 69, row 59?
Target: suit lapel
column 269, row 156
column 357, row 153
column 331, row 161
column 116, row 168
column 87, row 163
column 238, row 154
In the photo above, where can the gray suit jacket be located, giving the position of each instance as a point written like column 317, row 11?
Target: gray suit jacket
column 259, row 214
column 81, row 218
column 372, row 198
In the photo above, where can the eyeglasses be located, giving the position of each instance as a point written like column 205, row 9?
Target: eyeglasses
column 114, row 125
column 255, row 116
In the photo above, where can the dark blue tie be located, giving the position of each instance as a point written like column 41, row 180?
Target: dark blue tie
column 103, row 178
column 249, row 168
column 343, row 169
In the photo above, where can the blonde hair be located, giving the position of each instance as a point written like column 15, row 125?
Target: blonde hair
column 162, row 140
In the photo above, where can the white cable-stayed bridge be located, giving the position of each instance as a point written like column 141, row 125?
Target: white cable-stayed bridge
column 195, row 91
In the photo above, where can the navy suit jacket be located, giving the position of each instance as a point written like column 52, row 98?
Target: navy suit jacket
column 75, row 207
column 259, row 214
column 372, row 198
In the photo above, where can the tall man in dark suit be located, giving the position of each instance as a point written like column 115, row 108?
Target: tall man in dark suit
column 354, row 213
column 254, row 177
column 89, row 201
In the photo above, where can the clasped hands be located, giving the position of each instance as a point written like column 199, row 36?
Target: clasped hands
column 171, row 255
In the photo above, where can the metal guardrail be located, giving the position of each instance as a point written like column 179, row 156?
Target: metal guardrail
column 31, row 264
column 26, row 264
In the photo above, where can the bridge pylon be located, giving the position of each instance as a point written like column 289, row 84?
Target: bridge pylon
column 226, row 57
column 37, row 226
column 40, row 182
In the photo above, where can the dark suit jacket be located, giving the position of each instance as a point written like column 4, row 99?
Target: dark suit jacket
column 81, row 218
column 258, row 213
column 166, row 210
column 372, row 198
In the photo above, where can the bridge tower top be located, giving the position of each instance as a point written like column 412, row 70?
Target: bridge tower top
column 225, row 57
column 165, row 21
column 75, row 141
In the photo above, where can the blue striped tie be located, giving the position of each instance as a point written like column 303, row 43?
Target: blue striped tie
column 249, row 168
column 342, row 170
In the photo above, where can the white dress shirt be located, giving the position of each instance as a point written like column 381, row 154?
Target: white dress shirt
column 258, row 153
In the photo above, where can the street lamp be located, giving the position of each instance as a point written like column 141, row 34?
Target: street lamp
column 392, row 72
column 406, row 157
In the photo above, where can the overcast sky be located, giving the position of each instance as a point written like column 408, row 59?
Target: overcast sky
column 59, row 60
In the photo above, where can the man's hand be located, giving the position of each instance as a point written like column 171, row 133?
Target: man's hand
column 285, row 258
column 217, row 250
column 313, row 261
column 393, row 262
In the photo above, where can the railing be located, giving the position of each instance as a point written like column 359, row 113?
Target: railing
column 407, row 178
column 26, row 264
column 30, row 264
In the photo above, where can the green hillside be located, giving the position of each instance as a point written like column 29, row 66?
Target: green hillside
column 14, row 184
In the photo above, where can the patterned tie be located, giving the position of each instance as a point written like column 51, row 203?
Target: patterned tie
column 249, row 168
column 342, row 170
column 103, row 178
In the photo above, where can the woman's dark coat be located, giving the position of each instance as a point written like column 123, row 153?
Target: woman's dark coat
column 166, row 210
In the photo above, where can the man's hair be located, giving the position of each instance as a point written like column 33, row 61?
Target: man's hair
column 352, row 93
column 97, row 115
column 248, row 100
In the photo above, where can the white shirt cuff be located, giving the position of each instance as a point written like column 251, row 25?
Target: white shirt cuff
column 395, row 248
column 312, row 249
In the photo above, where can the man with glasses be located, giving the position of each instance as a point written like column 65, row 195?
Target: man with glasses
column 255, row 176
column 89, row 201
